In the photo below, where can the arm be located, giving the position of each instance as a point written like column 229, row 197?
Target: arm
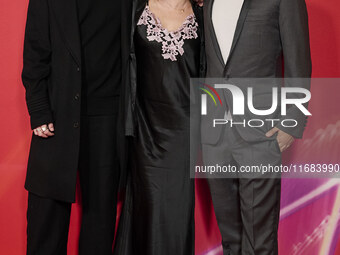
column 294, row 33
column 37, row 61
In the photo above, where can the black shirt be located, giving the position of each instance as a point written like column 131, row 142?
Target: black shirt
column 100, row 27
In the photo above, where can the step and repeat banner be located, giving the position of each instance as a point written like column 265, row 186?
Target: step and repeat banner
column 309, row 218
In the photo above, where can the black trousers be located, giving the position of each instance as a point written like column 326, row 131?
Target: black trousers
column 247, row 209
column 48, row 219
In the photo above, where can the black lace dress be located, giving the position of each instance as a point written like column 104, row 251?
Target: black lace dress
column 158, row 215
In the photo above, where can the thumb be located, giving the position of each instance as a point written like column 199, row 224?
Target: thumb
column 51, row 127
column 272, row 132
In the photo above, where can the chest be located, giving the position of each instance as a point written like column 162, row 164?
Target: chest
column 151, row 33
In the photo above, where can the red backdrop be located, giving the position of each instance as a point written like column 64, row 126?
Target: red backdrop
column 15, row 133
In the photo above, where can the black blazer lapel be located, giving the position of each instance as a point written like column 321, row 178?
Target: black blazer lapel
column 65, row 12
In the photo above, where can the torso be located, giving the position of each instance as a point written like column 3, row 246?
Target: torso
column 165, row 63
column 99, row 23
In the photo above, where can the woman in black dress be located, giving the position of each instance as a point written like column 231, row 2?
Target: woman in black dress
column 158, row 213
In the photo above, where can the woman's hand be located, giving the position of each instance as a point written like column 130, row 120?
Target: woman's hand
column 44, row 131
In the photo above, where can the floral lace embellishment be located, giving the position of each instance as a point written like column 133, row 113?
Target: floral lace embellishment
column 172, row 41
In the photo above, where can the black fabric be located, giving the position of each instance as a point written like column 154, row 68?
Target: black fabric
column 52, row 75
column 99, row 177
column 37, row 60
column 48, row 219
column 47, row 226
column 100, row 46
column 158, row 214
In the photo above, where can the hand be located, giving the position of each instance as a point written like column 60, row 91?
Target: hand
column 44, row 131
column 283, row 139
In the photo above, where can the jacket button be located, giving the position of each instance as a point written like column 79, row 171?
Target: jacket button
column 78, row 69
column 76, row 125
column 77, row 96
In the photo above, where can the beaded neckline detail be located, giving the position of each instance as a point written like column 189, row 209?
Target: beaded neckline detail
column 172, row 41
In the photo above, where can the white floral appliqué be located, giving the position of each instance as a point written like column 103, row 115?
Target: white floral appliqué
column 172, row 41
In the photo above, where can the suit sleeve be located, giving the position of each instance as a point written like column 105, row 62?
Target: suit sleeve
column 37, row 63
column 294, row 33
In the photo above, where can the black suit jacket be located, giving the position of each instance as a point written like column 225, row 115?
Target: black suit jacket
column 52, row 75
column 268, row 34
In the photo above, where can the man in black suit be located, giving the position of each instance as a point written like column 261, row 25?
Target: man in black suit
column 252, row 39
column 72, row 76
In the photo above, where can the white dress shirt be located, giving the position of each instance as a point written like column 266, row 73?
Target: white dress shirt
column 225, row 14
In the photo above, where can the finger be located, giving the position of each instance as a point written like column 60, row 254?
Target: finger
column 35, row 131
column 272, row 132
column 43, row 135
column 40, row 133
column 43, row 128
column 286, row 147
column 51, row 127
column 289, row 144
column 282, row 147
column 281, row 144
column 48, row 133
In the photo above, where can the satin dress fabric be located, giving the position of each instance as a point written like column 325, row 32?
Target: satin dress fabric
column 158, row 213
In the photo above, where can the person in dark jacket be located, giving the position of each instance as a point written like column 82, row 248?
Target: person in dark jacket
column 72, row 76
